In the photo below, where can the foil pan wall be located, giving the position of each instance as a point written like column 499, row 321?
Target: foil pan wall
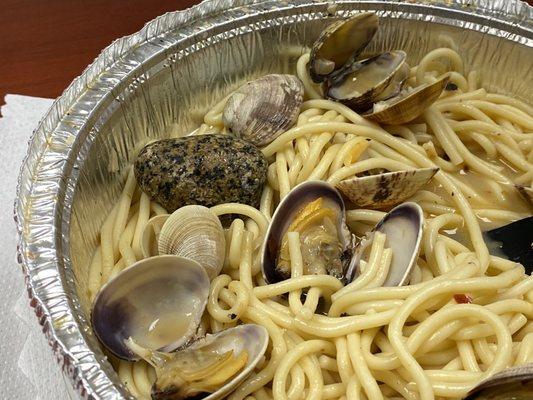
column 158, row 83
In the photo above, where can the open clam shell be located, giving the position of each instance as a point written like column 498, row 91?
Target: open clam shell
column 158, row 302
column 194, row 232
column 340, row 43
column 359, row 84
column 244, row 340
column 262, row 109
column 514, row 383
column 406, row 107
column 387, row 189
column 396, row 84
column 285, row 213
column 403, row 226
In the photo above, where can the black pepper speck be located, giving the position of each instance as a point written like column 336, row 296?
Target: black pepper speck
column 206, row 170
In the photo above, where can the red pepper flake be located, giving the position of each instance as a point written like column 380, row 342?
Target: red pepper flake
column 462, row 298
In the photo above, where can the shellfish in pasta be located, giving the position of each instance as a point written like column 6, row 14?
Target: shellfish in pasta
column 341, row 42
column 403, row 229
column 211, row 367
column 386, row 189
column 262, row 109
column 158, row 302
column 194, row 232
column 359, row 84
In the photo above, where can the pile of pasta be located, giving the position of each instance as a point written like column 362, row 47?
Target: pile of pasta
column 464, row 316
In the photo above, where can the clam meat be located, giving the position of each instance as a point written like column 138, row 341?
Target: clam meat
column 262, row 109
column 385, row 189
column 316, row 211
column 340, row 43
column 158, row 302
column 210, row 368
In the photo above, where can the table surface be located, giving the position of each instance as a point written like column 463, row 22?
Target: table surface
column 46, row 44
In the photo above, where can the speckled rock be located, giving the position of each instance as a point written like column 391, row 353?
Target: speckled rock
column 206, row 170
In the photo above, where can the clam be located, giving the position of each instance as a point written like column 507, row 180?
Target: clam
column 403, row 226
column 316, row 210
column 260, row 110
column 340, row 43
column 211, row 368
column 150, row 235
column 359, row 84
column 409, row 104
column 194, row 232
column 514, row 383
column 386, row 189
column 158, row 302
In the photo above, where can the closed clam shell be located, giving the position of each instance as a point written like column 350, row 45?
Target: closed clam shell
column 406, row 107
column 262, row 109
column 194, row 232
column 359, row 84
column 387, row 189
column 340, row 43
column 249, row 337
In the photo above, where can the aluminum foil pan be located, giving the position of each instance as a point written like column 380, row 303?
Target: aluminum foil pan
column 159, row 82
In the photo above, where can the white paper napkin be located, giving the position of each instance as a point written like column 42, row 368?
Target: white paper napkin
column 28, row 369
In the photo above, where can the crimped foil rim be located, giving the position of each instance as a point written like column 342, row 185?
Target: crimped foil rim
column 41, row 184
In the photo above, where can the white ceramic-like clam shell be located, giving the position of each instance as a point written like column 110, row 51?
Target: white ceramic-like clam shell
column 196, row 233
column 300, row 195
column 159, row 291
column 403, row 226
column 150, row 235
column 250, row 337
column 262, row 109
column 387, row 189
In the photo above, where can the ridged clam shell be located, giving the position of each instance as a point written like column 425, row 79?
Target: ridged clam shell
column 405, row 108
column 262, row 109
column 152, row 292
column 196, row 233
column 250, row 337
column 385, row 190
column 150, row 235
column 514, row 383
column 341, row 43
column 359, row 84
